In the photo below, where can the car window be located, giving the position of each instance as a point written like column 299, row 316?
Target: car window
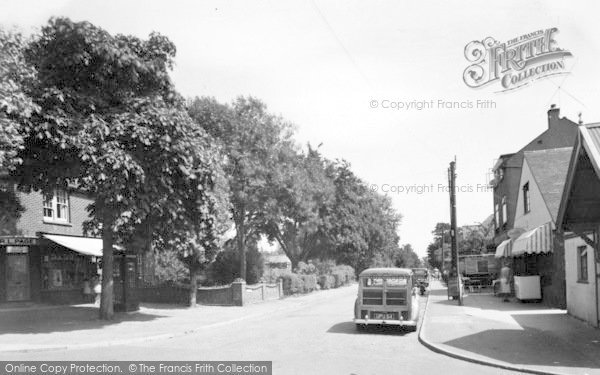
column 396, row 281
column 373, row 281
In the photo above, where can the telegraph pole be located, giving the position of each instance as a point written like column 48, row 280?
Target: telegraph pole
column 456, row 291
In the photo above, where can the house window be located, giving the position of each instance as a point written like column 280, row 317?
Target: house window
column 48, row 207
column 582, row 268
column 56, row 206
column 504, row 210
column 526, row 199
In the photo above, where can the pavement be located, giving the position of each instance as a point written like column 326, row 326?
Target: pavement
column 35, row 327
column 524, row 337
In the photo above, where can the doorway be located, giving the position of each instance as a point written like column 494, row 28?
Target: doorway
column 17, row 274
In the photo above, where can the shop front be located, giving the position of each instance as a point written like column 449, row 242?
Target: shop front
column 65, row 269
column 43, row 269
column 535, row 259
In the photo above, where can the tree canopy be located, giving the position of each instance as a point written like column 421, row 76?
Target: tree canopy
column 111, row 125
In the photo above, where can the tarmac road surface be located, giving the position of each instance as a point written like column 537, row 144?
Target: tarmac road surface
column 316, row 336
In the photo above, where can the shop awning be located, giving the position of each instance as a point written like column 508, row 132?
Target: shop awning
column 83, row 245
column 503, row 250
column 535, row 241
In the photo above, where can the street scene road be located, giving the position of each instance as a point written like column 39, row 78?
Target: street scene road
column 390, row 188
column 311, row 334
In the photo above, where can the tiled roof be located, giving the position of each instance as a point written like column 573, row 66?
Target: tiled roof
column 549, row 169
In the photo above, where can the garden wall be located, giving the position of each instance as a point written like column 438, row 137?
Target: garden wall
column 235, row 294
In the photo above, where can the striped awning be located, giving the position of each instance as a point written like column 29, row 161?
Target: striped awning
column 504, row 249
column 535, row 241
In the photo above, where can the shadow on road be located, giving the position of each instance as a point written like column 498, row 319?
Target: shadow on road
column 68, row 318
column 350, row 328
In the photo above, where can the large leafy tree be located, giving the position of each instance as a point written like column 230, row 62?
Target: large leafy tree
column 251, row 139
column 16, row 108
column 111, row 124
column 197, row 237
column 301, row 193
column 407, row 258
column 345, row 229
column 362, row 226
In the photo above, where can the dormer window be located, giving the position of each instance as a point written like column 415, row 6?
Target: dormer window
column 498, row 174
column 56, row 206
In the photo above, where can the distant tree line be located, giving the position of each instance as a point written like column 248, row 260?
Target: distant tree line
column 472, row 240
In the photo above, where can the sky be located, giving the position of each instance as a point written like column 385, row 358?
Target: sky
column 335, row 68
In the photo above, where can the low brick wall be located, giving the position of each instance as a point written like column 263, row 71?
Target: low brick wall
column 235, row 294
column 165, row 294
column 219, row 295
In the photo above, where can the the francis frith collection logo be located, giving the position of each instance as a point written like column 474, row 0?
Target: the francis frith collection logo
column 514, row 63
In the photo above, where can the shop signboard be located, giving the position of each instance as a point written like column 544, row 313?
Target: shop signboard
column 23, row 241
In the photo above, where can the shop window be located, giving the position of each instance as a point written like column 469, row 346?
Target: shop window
column 64, row 269
column 56, row 206
column 526, row 198
column 582, row 264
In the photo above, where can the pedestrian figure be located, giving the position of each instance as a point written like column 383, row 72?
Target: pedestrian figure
column 505, row 278
column 87, row 291
column 97, row 289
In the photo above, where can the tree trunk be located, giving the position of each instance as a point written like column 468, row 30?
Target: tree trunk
column 193, row 286
column 292, row 253
column 295, row 262
column 241, row 248
column 106, row 301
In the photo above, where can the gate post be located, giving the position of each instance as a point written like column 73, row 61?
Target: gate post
column 238, row 288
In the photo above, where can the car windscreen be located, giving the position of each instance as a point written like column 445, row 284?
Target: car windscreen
column 373, row 281
column 396, row 281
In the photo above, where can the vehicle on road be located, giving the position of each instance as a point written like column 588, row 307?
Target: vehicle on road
column 386, row 296
column 421, row 279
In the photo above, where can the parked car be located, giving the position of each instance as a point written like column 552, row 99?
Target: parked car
column 386, row 296
column 421, row 279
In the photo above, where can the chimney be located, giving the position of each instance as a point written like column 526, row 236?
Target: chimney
column 553, row 113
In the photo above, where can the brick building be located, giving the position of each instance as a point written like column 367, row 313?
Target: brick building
column 45, row 255
column 34, row 248
column 517, row 225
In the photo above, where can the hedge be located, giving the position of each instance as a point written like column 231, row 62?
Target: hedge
column 327, row 281
column 309, row 283
column 307, row 280
column 292, row 284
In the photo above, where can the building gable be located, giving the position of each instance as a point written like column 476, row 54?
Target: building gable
column 580, row 204
column 539, row 213
column 549, row 169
